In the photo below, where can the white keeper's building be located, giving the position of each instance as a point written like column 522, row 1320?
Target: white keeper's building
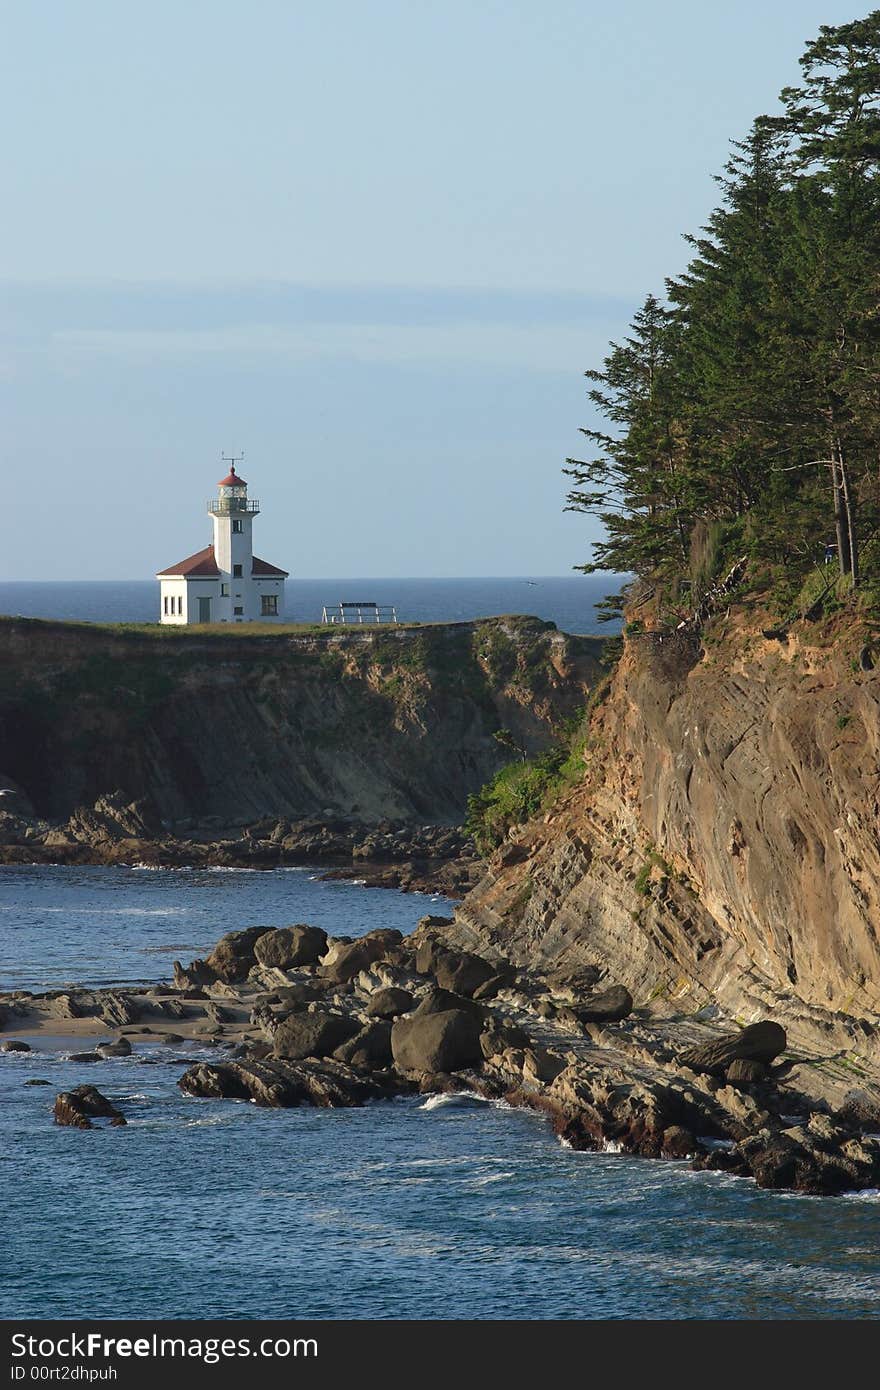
column 225, row 582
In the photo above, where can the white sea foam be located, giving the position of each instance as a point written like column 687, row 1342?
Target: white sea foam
column 230, row 869
column 461, row 1099
column 488, row 1178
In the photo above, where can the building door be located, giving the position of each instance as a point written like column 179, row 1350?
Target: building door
column 204, row 610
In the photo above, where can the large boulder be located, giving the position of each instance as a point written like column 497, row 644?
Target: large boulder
column 498, row 1035
column 314, row 1034
column 609, row 1006
column 369, row 1049
column 760, row 1042
column 285, row 948
column 860, row 1111
column 347, row 960
column 464, row 973
column 458, row 971
column 234, row 955
column 440, row 1001
column 441, row 1042
column 294, row 997
column 80, row 1106
column 388, row 1003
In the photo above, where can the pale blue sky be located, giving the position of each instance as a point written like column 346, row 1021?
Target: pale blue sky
column 374, row 244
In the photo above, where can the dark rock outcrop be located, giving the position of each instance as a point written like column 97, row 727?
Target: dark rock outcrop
column 314, row 1034
column 759, row 1042
column 83, row 1104
column 744, row 1072
column 369, row 1049
column 285, row 948
column 461, row 972
column 117, row 1009
column 348, row 960
column 609, row 1006
column 278, row 1082
column 436, row 1042
column 234, row 955
column 439, row 1001
column 389, row 1002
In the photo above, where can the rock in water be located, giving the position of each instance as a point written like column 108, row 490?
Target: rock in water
column 312, row 1035
column 79, row 1106
column 13, row 1045
column 120, row 1048
column 436, row 1042
column 278, row 1083
column 287, row 947
column 760, row 1042
column 678, row 1142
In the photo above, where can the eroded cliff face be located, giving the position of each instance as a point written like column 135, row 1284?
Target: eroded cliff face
column 234, row 726
column 723, row 847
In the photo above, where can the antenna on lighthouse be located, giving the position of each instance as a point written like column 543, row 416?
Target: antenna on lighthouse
column 232, row 459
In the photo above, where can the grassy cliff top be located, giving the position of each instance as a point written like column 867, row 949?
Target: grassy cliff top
column 160, row 632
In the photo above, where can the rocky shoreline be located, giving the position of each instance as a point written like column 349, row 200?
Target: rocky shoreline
column 298, row 1018
column 384, row 854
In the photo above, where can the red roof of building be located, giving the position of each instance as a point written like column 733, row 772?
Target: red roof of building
column 232, row 479
column 202, row 565
column 263, row 567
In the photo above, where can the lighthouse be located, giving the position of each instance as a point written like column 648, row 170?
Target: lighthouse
column 226, row 582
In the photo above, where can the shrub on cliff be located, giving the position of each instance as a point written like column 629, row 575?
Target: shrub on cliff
column 519, row 792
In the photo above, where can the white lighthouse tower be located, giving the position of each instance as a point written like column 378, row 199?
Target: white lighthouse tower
column 225, row 582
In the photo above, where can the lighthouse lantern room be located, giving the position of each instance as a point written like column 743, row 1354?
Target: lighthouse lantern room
column 226, row 582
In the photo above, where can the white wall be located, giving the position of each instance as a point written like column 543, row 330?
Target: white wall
column 266, row 586
column 174, row 590
column 201, row 588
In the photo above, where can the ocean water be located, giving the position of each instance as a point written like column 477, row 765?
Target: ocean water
column 568, row 601
column 439, row 1208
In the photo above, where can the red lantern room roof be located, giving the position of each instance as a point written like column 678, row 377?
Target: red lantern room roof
column 232, row 479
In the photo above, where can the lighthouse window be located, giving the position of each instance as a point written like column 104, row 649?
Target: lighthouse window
column 236, row 526
column 236, row 571
column 270, row 605
column 238, row 612
column 224, row 591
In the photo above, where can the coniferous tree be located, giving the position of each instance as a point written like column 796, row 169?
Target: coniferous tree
column 748, row 406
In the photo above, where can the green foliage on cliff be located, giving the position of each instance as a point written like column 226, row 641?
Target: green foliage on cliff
column 741, row 414
column 522, row 789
